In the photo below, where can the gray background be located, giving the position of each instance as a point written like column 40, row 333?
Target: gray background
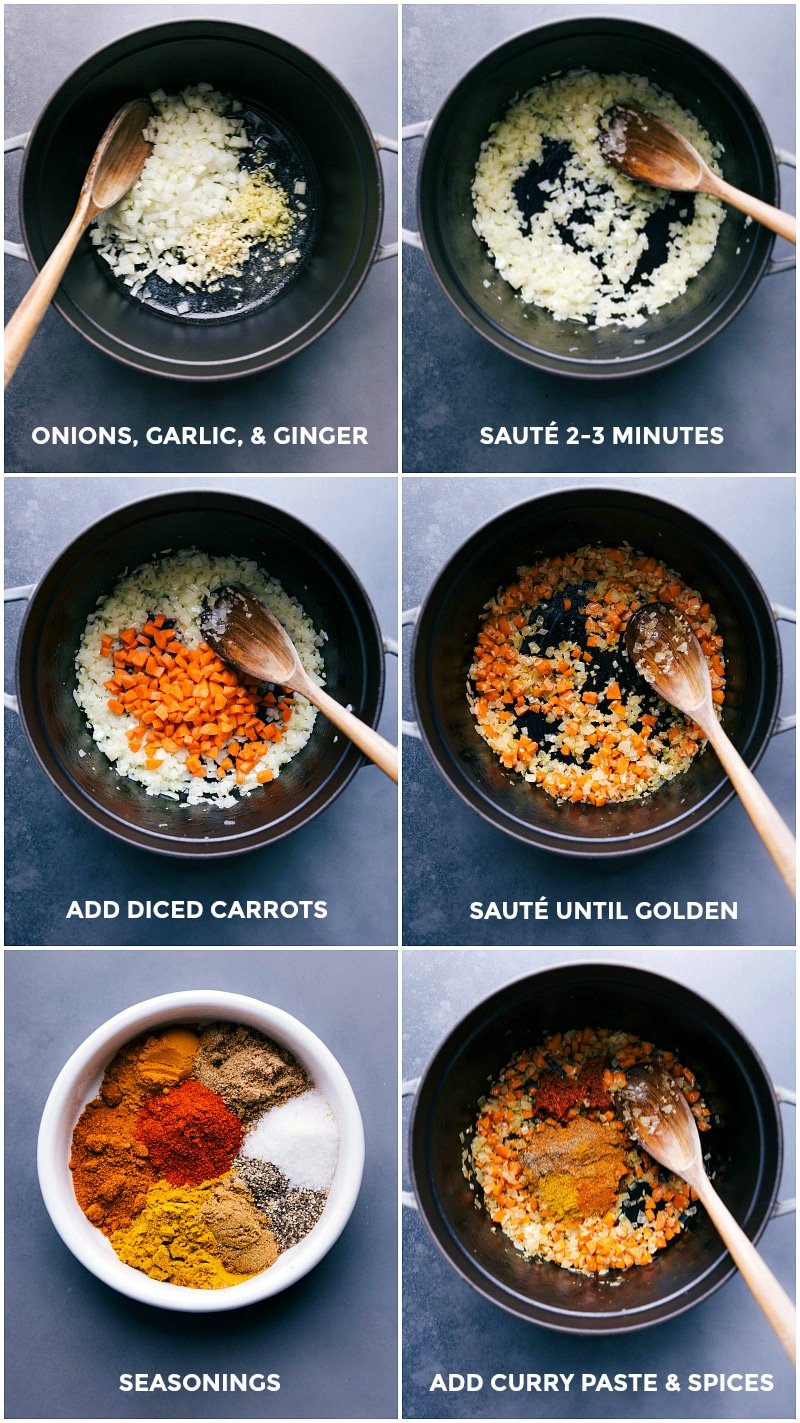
column 452, row 857
column 347, row 856
column 348, row 377
column 332, row 1337
column 455, row 381
column 448, row 1326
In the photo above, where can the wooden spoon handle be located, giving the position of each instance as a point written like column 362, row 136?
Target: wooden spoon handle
column 757, row 1275
column 781, row 222
column 26, row 319
column 774, row 832
column 376, row 747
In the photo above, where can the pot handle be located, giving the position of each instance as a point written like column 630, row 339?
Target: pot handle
column 782, row 264
column 10, row 145
column 408, row 619
column 408, row 1089
column 409, row 236
column 786, row 615
column 390, row 649
column 386, row 249
column 785, row 1094
column 15, row 595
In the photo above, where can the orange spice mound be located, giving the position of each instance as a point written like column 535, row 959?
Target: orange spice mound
column 576, row 1169
column 187, row 699
column 111, row 1169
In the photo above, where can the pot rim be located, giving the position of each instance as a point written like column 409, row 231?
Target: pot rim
column 729, row 1268
column 133, row 836
column 625, row 368
column 687, row 822
column 214, row 374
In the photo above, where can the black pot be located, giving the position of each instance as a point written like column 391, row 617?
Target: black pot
column 461, row 262
column 746, row 1144
column 307, row 566
column 278, row 79
column 445, row 637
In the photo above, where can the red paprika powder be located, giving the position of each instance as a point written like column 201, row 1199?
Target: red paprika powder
column 190, row 1134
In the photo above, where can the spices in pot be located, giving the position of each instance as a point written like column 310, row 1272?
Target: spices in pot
column 557, row 1169
column 575, row 1170
column 557, row 1094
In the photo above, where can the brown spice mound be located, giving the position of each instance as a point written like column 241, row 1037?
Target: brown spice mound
column 575, row 1170
column 111, row 1170
column 245, row 1243
column 249, row 1071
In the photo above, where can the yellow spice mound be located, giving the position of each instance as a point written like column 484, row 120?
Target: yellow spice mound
column 169, row 1241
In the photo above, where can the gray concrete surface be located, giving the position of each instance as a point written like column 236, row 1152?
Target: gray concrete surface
column 451, row 857
column 447, row 1326
column 455, row 382
column 332, row 1337
column 348, row 377
column 347, row 856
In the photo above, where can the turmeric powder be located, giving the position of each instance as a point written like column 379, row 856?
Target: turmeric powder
column 149, row 1064
column 576, row 1169
column 169, row 1241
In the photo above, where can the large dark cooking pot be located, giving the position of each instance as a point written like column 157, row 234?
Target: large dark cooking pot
column 307, row 566
column 446, row 631
column 746, row 1144
column 278, row 79
column 461, row 263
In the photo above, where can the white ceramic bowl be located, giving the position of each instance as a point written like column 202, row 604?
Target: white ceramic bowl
column 78, row 1083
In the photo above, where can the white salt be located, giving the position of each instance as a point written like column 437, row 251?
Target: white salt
column 300, row 1137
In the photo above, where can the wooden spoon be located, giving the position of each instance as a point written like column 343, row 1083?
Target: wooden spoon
column 645, row 147
column 665, row 651
column 659, row 1116
column 118, row 160
column 245, row 633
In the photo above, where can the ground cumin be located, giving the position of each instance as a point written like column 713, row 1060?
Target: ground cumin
column 244, row 1240
column 111, row 1169
column 248, row 1070
column 575, row 1170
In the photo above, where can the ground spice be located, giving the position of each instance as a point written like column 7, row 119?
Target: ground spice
column 245, row 1243
column 169, row 1241
column 556, row 1093
column 149, row 1064
column 576, row 1169
column 190, row 1134
column 111, row 1169
column 291, row 1211
column 249, row 1071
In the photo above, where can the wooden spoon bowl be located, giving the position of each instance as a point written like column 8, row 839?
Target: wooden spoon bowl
column 647, row 148
column 665, row 651
column 658, row 1115
column 246, row 634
